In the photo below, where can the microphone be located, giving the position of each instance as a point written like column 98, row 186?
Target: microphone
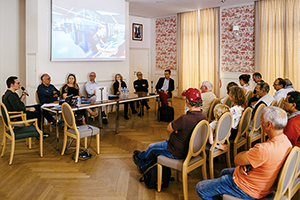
column 22, row 88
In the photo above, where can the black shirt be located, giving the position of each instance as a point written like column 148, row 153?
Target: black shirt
column 12, row 101
column 141, row 85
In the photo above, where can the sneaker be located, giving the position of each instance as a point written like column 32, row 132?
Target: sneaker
column 104, row 121
column 139, row 169
column 103, row 114
column 45, row 135
column 136, row 160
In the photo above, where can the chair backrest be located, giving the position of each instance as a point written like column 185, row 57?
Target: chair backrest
column 5, row 116
column 37, row 100
column 244, row 123
column 287, row 173
column 211, row 116
column 227, row 102
column 249, row 95
column 68, row 115
column 257, row 115
column 198, row 138
column 274, row 103
column 280, row 103
column 223, row 128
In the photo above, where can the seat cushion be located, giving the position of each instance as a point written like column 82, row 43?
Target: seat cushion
column 25, row 132
column 175, row 163
column 86, row 130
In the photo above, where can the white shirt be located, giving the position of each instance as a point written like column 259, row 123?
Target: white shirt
column 247, row 88
column 165, row 86
column 207, row 98
column 236, row 112
column 268, row 99
column 289, row 90
column 91, row 87
column 279, row 94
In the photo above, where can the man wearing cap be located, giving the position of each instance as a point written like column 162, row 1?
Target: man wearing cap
column 181, row 130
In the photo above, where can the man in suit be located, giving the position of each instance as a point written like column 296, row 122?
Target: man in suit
column 141, row 85
column 164, row 87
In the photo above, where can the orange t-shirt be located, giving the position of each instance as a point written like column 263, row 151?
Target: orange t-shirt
column 266, row 160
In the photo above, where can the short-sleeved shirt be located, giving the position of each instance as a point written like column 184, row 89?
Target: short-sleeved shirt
column 91, row 87
column 236, row 112
column 207, row 99
column 266, row 160
column 70, row 90
column 292, row 129
column 178, row 143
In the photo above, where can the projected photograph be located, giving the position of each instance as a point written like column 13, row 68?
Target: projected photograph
column 88, row 30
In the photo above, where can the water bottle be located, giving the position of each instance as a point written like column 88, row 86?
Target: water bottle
column 126, row 92
column 78, row 101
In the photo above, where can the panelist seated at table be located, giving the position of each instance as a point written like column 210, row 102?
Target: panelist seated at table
column 164, row 87
column 47, row 93
column 141, row 85
column 118, row 84
column 15, row 103
column 90, row 88
column 71, row 88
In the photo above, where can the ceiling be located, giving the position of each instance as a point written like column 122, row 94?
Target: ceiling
column 159, row 8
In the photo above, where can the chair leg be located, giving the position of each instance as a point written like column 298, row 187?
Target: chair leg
column 185, row 185
column 64, row 144
column 77, row 149
column 204, row 173
column 41, row 145
column 29, row 142
column 98, row 143
column 159, row 177
column 85, row 142
column 211, row 166
column 228, row 157
column 12, row 151
column 4, row 146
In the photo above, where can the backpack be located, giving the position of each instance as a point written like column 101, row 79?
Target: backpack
column 150, row 177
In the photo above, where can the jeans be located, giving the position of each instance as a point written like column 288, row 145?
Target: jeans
column 148, row 157
column 213, row 188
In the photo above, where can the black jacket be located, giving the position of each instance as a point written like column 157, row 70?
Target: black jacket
column 161, row 82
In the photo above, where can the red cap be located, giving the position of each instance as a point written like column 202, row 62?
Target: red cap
column 192, row 94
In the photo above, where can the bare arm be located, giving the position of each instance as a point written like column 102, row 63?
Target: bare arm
column 241, row 159
column 170, row 128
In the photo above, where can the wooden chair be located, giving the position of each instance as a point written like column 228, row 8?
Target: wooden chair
column 256, row 132
column 77, row 132
column 241, row 137
column 227, row 102
column 211, row 116
column 16, row 133
column 274, row 103
column 222, row 133
column 295, row 186
column 285, row 179
column 249, row 95
column 281, row 104
column 192, row 161
column 37, row 100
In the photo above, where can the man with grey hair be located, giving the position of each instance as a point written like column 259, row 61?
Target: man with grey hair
column 207, row 95
column 289, row 85
column 257, row 169
column 262, row 89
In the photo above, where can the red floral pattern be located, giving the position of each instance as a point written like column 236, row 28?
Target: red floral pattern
column 237, row 50
column 166, row 43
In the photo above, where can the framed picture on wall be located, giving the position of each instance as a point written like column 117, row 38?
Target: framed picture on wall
column 137, row 31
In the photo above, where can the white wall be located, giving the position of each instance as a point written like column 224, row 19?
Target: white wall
column 38, row 56
column 12, row 41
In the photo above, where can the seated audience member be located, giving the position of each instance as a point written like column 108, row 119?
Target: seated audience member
column 229, row 85
column 262, row 89
column 279, row 85
column 15, row 103
column 244, row 81
column 90, row 88
column 118, row 84
column 207, row 95
column 238, row 98
column 164, row 87
column 288, row 85
column 292, row 106
column 257, row 169
column 141, row 85
column 181, row 130
column 47, row 93
column 256, row 78
column 71, row 88
column 219, row 110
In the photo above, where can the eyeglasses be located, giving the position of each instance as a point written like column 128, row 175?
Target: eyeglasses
column 140, row 74
column 18, row 83
column 166, row 73
column 92, row 75
column 48, row 78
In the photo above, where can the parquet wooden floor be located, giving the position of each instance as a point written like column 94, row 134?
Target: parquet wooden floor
column 110, row 175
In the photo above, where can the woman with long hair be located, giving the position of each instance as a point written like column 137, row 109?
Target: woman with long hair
column 118, row 84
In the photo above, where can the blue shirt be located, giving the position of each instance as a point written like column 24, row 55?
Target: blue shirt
column 91, row 87
column 165, row 86
column 45, row 93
